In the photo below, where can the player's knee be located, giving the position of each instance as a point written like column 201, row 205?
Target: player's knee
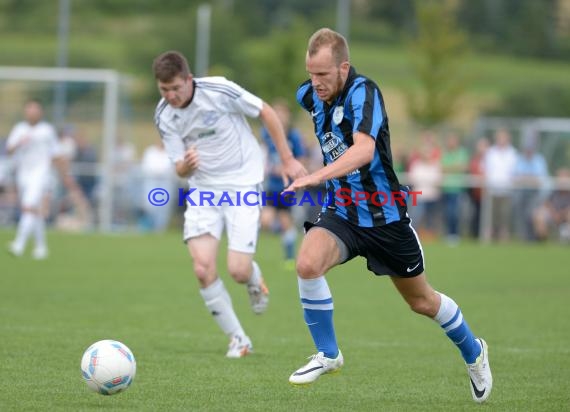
column 204, row 272
column 307, row 268
column 240, row 271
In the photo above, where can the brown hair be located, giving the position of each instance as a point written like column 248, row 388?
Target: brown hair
column 327, row 37
column 169, row 65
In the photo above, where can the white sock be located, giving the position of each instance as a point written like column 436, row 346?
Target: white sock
column 25, row 229
column 40, row 232
column 255, row 278
column 447, row 309
column 219, row 303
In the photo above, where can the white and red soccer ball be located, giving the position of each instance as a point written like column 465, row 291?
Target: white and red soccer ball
column 108, row 367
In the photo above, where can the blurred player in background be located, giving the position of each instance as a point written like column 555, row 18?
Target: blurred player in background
column 203, row 125
column 34, row 143
column 276, row 208
column 352, row 126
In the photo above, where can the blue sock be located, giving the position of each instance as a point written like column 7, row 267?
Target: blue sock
column 456, row 328
column 289, row 251
column 317, row 304
column 288, row 240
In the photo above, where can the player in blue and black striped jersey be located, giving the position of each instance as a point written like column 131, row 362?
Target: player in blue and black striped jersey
column 365, row 214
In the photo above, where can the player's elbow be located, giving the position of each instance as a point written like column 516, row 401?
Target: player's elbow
column 264, row 113
column 363, row 158
column 368, row 156
column 365, row 147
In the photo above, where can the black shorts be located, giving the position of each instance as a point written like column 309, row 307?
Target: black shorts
column 393, row 249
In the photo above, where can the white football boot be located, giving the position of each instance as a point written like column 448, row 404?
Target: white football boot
column 239, row 347
column 481, row 380
column 317, row 366
column 258, row 297
column 14, row 250
column 40, row 253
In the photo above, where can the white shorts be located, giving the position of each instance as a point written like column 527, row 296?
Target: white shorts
column 32, row 193
column 241, row 222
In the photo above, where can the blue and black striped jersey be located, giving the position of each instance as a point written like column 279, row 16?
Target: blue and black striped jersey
column 371, row 195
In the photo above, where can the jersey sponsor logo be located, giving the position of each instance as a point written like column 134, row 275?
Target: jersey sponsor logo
column 333, row 145
column 338, row 114
column 206, row 133
column 314, row 113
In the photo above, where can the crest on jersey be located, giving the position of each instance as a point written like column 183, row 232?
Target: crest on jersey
column 338, row 114
column 210, row 117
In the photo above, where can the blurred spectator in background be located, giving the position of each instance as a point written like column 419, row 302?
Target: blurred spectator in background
column 279, row 215
column 476, row 175
column 124, row 169
column 157, row 172
column 67, row 148
column 554, row 213
column 67, row 143
column 8, row 194
column 530, row 177
column 498, row 166
column 425, row 176
column 86, row 167
column 428, row 146
column 72, row 209
column 454, row 163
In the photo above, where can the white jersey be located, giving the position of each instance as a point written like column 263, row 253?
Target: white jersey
column 34, row 158
column 215, row 123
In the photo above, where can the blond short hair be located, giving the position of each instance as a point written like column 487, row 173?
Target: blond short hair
column 327, row 37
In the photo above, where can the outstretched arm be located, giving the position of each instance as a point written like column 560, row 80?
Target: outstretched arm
column 358, row 155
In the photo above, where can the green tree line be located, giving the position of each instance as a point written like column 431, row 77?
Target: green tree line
column 523, row 27
column 261, row 43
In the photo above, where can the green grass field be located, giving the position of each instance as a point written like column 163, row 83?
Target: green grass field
column 140, row 290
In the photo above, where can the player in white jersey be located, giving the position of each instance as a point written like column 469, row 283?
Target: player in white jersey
column 34, row 144
column 203, row 125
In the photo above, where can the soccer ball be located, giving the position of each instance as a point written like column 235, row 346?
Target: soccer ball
column 108, row 367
